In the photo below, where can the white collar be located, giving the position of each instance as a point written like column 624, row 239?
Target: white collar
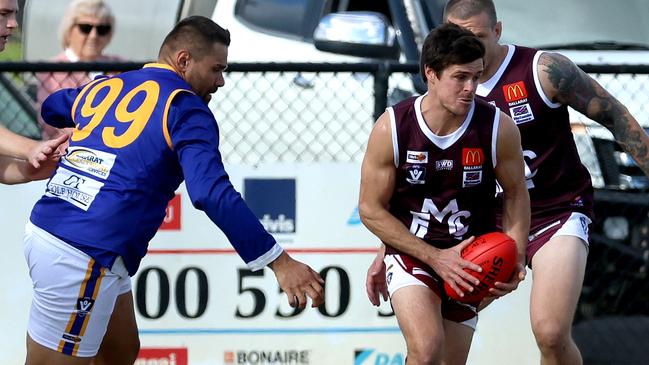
column 72, row 57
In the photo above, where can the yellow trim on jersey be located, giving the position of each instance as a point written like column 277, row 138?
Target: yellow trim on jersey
column 165, row 125
column 159, row 65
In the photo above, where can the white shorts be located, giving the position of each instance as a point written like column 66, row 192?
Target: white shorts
column 566, row 224
column 402, row 270
column 577, row 225
column 73, row 296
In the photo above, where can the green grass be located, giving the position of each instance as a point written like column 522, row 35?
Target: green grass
column 13, row 50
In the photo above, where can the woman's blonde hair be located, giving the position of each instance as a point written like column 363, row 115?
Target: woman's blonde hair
column 77, row 8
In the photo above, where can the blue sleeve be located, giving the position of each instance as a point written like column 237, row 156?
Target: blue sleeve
column 195, row 138
column 57, row 108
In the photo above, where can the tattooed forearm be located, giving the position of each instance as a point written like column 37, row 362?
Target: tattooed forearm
column 634, row 140
column 573, row 87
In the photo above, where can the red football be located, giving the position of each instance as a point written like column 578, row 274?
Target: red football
column 496, row 253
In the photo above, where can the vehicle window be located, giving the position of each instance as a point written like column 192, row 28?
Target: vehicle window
column 433, row 11
column 575, row 23
column 289, row 18
column 365, row 5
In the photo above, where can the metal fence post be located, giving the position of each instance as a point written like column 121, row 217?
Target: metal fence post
column 381, row 78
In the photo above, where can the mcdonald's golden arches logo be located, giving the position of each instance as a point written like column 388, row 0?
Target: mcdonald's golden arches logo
column 515, row 91
column 472, row 156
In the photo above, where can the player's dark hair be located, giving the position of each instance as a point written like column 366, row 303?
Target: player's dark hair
column 197, row 34
column 464, row 9
column 449, row 44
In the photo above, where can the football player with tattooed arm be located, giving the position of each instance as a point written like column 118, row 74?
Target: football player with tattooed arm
column 537, row 88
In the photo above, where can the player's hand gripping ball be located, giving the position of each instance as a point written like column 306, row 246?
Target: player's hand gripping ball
column 496, row 253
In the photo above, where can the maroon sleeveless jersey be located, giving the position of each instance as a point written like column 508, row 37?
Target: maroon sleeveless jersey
column 555, row 177
column 444, row 188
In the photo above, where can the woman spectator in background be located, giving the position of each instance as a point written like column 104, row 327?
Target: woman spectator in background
column 85, row 30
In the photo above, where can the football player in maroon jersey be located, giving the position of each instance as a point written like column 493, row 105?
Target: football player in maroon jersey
column 427, row 189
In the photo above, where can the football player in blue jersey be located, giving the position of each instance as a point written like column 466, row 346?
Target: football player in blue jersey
column 136, row 137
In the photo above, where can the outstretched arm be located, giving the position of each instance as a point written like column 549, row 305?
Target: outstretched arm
column 564, row 82
column 15, row 171
column 44, row 152
column 15, row 145
column 298, row 281
column 43, row 162
column 194, row 137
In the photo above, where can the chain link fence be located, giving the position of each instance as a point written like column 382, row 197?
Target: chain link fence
column 308, row 113
column 294, row 116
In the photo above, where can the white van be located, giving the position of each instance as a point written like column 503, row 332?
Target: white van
column 590, row 32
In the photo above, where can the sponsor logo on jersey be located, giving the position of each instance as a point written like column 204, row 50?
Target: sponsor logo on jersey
column 76, row 189
column 416, row 156
column 273, row 202
column 471, row 178
column 514, row 92
column 472, row 160
column 577, row 202
column 521, row 113
column 93, row 162
column 472, row 157
column 444, row 165
column 416, row 174
column 68, row 337
column 84, row 306
column 430, row 213
column 584, row 224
